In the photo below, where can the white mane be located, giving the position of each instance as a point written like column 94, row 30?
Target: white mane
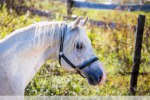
column 46, row 32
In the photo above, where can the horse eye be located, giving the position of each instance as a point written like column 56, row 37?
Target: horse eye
column 79, row 46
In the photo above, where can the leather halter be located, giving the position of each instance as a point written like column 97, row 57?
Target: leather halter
column 61, row 55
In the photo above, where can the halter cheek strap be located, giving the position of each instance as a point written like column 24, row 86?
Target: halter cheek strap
column 61, row 55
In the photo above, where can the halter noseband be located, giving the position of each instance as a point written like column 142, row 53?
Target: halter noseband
column 61, row 55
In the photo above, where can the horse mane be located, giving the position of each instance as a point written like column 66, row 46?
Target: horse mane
column 46, row 32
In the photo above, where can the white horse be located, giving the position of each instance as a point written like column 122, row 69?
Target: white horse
column 25, row 50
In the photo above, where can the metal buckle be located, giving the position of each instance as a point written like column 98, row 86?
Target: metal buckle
column 61, row 53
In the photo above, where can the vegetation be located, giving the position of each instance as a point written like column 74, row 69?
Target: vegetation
column 113, row 46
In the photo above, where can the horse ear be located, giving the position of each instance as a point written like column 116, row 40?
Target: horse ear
column 76, row 23
column 84, row 21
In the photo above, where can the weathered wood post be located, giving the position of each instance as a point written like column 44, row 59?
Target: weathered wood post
column 137, row 54
column 69, row 7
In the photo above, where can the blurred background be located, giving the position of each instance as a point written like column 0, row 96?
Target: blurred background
column 111, row 28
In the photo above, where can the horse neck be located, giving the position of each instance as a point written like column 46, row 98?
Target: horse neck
column 33, row 47
column 46, row 47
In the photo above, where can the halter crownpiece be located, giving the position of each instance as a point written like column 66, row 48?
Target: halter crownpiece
column 61, row 55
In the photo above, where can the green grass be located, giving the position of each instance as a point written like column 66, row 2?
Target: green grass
column 113, row 47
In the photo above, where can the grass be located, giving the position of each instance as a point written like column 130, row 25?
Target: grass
column 113, row 47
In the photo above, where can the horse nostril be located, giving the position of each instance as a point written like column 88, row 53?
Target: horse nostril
column 100, row 78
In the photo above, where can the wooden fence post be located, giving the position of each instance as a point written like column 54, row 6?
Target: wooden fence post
column 69, row 7
column 137, row 54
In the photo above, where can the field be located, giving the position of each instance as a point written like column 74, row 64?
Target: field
column 114, row 47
